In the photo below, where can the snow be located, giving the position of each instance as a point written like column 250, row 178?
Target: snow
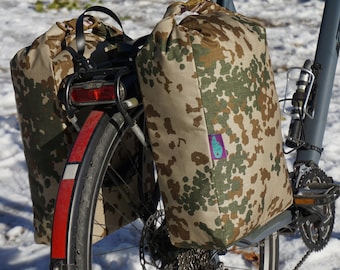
column 292, row 28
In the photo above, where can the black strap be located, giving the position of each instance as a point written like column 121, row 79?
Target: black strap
column 80, row 36
column 80, row 63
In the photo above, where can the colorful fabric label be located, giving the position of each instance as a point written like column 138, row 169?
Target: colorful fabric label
column 217, row 149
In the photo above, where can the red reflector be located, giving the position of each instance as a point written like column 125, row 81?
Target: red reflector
column 104, row 93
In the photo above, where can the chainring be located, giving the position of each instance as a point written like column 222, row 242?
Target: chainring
column 315, row 222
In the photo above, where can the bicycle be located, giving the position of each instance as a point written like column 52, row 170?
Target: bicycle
column 103, row 138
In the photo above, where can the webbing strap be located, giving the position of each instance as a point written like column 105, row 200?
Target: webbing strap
column 80, row 36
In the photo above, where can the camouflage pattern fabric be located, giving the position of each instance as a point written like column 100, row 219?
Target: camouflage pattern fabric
column 37, row 72
column 214, row 123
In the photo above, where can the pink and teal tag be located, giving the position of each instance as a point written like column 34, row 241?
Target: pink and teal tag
column 217, row 149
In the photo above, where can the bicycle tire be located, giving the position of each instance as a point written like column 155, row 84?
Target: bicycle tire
column 104, row 142
column 90, row 177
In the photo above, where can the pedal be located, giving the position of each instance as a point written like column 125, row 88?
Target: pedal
column 317, row 194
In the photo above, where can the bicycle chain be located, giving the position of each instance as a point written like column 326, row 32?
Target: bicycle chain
column 195, row 259
column 303, row 259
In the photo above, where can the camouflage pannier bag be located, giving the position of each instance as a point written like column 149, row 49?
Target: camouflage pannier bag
column 37, row 72
column 214, row 123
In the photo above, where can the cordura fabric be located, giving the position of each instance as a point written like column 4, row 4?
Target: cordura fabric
column 37, row 73
column 213, row 119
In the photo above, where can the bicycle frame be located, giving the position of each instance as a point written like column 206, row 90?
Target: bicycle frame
column 326, row 58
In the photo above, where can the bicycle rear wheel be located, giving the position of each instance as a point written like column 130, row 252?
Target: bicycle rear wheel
column 111, row 190
column 107, row 233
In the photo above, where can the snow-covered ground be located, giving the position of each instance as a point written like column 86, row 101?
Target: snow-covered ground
column 292, row 35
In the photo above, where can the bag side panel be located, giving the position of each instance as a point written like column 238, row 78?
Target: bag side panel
column 242, row 110
column 41, row 126
column 221, row 60
column 176, row 124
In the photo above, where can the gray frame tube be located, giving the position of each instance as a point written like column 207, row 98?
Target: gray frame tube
column 327, row 56
column 229, row 4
